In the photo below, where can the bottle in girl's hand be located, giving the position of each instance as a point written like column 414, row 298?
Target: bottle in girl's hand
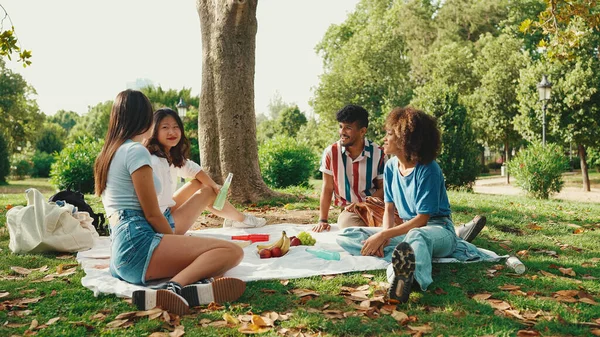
column 515, row 264
column 220, row 199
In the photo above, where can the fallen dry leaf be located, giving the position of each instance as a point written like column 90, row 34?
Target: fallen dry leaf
column 595, row 332
column 439, row 291
column 481, row 297
column 284, row 282
column 252, row 329
column 2, row 295
column 509, row 287
column 369, row 276
column 178, row 332
column 527, row 333
column 588, row 301
column 423, row 328
column 126, row 315
column 230, row 319
column 52, row 320
column 116, row 323
column 34, row 324
column 145, row 313
column 21, row 270
column 218, row 324
column 258, row 321
column 304, row 292
column 567, row 271
column 399, row 316
column 499, row 304
column 159, row 334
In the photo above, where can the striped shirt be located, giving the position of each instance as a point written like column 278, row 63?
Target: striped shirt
column 353, row 180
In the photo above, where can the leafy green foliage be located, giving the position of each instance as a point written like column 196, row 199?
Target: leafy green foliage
column 94, row 124
column 285, row 162
column 20, row 117
column 42, row 162
column 494, row 102
column 593, row 158
column 290, row 120
column 51, row 138
column 4, row 160
column 538, row 169
column 161, row 98
column 9, row 44
column 459, row 158
column 66, row 119
column 74, row 166
column 20, row 166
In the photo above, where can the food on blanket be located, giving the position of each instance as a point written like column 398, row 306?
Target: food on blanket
column 264, row 253
column 276, row 252
column 285, row 247
column 306, row 239
column 295, row 242
column 277, row 243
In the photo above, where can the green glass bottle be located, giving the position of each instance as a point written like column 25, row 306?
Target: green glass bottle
column 220, row 199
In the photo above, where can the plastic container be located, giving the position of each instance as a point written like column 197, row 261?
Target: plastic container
column 220, row 199
column 324, row 254
column 515, row 264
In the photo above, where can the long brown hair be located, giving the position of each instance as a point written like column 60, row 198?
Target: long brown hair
column 178, row 153
column 418, row 135
column 130, row 116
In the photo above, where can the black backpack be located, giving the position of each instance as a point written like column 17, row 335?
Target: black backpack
column 76, row 199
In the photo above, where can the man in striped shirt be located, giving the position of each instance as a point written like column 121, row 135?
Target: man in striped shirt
column 352, row 168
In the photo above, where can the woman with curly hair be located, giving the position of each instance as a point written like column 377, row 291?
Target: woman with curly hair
column 413, row 185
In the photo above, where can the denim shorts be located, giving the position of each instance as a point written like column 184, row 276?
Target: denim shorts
column 133, row 242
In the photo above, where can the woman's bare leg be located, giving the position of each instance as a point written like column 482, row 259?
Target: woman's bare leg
column 187, row 197
column 187, row 259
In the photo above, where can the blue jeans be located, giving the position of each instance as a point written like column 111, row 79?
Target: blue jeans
column 436, row 239
column 133, row 241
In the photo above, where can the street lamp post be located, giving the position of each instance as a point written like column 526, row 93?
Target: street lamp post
column 545, row 91
column 181, row 108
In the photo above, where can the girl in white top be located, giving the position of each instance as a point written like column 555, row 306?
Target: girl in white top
column 143, row 246
column 170, row 151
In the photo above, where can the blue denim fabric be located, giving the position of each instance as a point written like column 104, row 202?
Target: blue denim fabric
column 133, row 242
column 436, row 239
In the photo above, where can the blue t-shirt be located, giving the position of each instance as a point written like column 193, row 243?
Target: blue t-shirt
column 119, row 193
column 423, row 191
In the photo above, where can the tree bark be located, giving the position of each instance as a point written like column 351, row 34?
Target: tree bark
column 584, row 167
column 226, row 118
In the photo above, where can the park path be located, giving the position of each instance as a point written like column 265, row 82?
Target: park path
column 499, row 186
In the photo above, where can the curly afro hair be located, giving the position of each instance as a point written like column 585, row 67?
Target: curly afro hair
column 418, row 135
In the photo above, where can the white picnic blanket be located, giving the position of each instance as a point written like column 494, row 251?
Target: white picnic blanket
column 297, row 263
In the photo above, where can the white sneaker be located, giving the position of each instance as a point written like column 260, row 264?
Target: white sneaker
column 252, row 221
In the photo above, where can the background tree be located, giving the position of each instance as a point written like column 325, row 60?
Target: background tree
column 494, row 101
column 51, row 138
column 366, row 64
column 459, row 155
column 66, row 119
column 290, row 120
column 94, row 124
column 161, row 98
column 4, row 160
column 227, row 124
column 20, row 117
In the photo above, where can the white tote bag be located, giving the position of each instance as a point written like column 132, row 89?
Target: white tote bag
column 43, row 226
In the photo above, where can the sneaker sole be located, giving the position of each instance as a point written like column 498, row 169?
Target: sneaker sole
column 223, row 290
column 167, row 300
column 403, row 262
column 479, row 224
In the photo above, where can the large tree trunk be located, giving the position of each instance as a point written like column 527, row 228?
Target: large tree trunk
column 226, row 120
column 506, row 154
column 584, row 167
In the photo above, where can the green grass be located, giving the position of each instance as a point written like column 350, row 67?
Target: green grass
column 515, row 224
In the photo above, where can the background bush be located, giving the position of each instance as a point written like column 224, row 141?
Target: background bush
column 20, row 166
column 593, row 158
column 51, row 138
column 42, row 162
column 538, row 170
column 285, row 162
column 74, row 166
column 4, row 160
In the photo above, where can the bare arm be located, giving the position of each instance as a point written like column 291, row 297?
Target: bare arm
column 143, row 183
column 325, row 202
column 419, row 221
column 206, row 180
column 388, row 216
column 379, row 189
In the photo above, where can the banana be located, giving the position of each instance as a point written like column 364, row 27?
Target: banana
column 285, row 247
column 277, row 243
